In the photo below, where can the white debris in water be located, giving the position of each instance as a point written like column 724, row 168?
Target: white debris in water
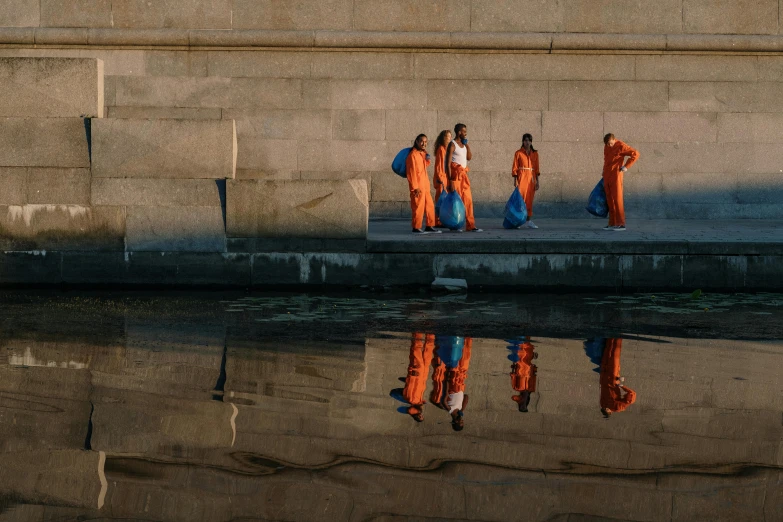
column 449, row 285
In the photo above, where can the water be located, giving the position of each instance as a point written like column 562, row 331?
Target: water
column 290, row 407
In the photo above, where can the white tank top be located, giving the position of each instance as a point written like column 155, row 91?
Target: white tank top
column 460, row 155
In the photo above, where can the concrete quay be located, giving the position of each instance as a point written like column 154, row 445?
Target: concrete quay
column 572, row 255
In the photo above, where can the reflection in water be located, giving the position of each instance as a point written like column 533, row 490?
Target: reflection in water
column 303, row 427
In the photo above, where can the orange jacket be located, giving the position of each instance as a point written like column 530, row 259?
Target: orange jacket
column 440, row 166
column 614, row 156
column 611, row 389
column 523, row 372
column 524, row 163
column 416, row 170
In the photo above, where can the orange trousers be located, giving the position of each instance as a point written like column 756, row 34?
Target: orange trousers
column 527, row 187
column 422, row 348
column 420, row 206
column 613, row 184
column 461, row 181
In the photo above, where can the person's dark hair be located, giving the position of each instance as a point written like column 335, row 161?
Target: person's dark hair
column 530, row 136
column 458, row 127
column 441, row 141
column 420, row 136
column 608, row 137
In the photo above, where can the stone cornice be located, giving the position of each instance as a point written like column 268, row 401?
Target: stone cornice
column 183, row 38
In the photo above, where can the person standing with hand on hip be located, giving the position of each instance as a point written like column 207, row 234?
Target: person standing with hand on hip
column 457, row 169
column 615, row 165
column 419, row 185
column 525, row 172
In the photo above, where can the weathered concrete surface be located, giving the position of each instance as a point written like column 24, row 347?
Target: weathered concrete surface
column 23, row 185
column 156, row 192
column 172, row 229
column 44, row 142
column 51, row 88
column 68, row 227
column 164, row 149
column 300, row 209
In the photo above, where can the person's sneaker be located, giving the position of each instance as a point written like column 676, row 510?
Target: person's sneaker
column 431, row 230
column 418, row 231
column 475, row 230
column 441, row 225
column 609, row 227
column 530, row 224
column 619, row 228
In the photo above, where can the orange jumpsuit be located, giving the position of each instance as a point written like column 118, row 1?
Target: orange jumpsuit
column 453, row 378
column 613, row 179
column 439, row 179
column 422, row 348
column 523, row 372
column 525, row 169
column 416, row 172
column 459, row 175
column 611, row 389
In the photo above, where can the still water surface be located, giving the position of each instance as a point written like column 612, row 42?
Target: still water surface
column 367, row 406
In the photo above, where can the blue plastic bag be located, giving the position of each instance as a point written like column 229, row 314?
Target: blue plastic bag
column 596, row 204
column 398, row 165
column 449, row 349
column 515, row 212
column 439, row 204
column 452, row 211
column 594, row 349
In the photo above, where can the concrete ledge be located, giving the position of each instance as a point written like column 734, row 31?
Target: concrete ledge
column 336, row 209
column 156, row 192
column 164, row 148
column 169, row 229
column 183, row 38
column 44, row 142
column 51, row 87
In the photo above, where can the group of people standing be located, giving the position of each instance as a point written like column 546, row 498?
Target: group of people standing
column 452, row 154
column 448, row 357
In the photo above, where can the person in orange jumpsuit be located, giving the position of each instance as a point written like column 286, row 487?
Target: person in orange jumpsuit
column 525, row 172
column 419, row 184
column 523, row 372
column 422, row 349
column 440, row 179
column 451, row 364
column 615, row 396
column 615, row 165
column 459, row 154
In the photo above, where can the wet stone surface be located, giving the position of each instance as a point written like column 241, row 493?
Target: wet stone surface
column 382, row 406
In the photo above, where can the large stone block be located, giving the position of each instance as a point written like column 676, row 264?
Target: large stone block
column 572, row 126
column 185, row 14
column 405, row 125
column 511, row 125
column 164, row 148
column 52, row 227
column 273, row 14
column 358, row 125
column 43, row 142
column 176, row 63
column 750, row 128
column 730, row 16
column 608, row 96
column 51, row 87
column 452, row 66
column 364, row 94
column 479, row 122
column 662, row 126
column 318, row 209
column 388, row 186
column 76, row 13
column 156, row 192
column 726, row 96
column 363, row 66
column 348, row 156
column 495, row 156
column 164, row 113
column 691, row 157
column 267, row 155
column 506, row 16
column 487, row 95
column 623, row 16
column 13, row 186
column 280, row 123
column 20, row 13
column 574, row 157
column 411, row 15
column 58, row 186
column 173, row 229
column 700, row 188
column 685, row 68
column 264, row 64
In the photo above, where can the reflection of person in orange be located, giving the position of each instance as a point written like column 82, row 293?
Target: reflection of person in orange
column 615, row 396
column 523, row 372
column 422, row 348
column 452, row 359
